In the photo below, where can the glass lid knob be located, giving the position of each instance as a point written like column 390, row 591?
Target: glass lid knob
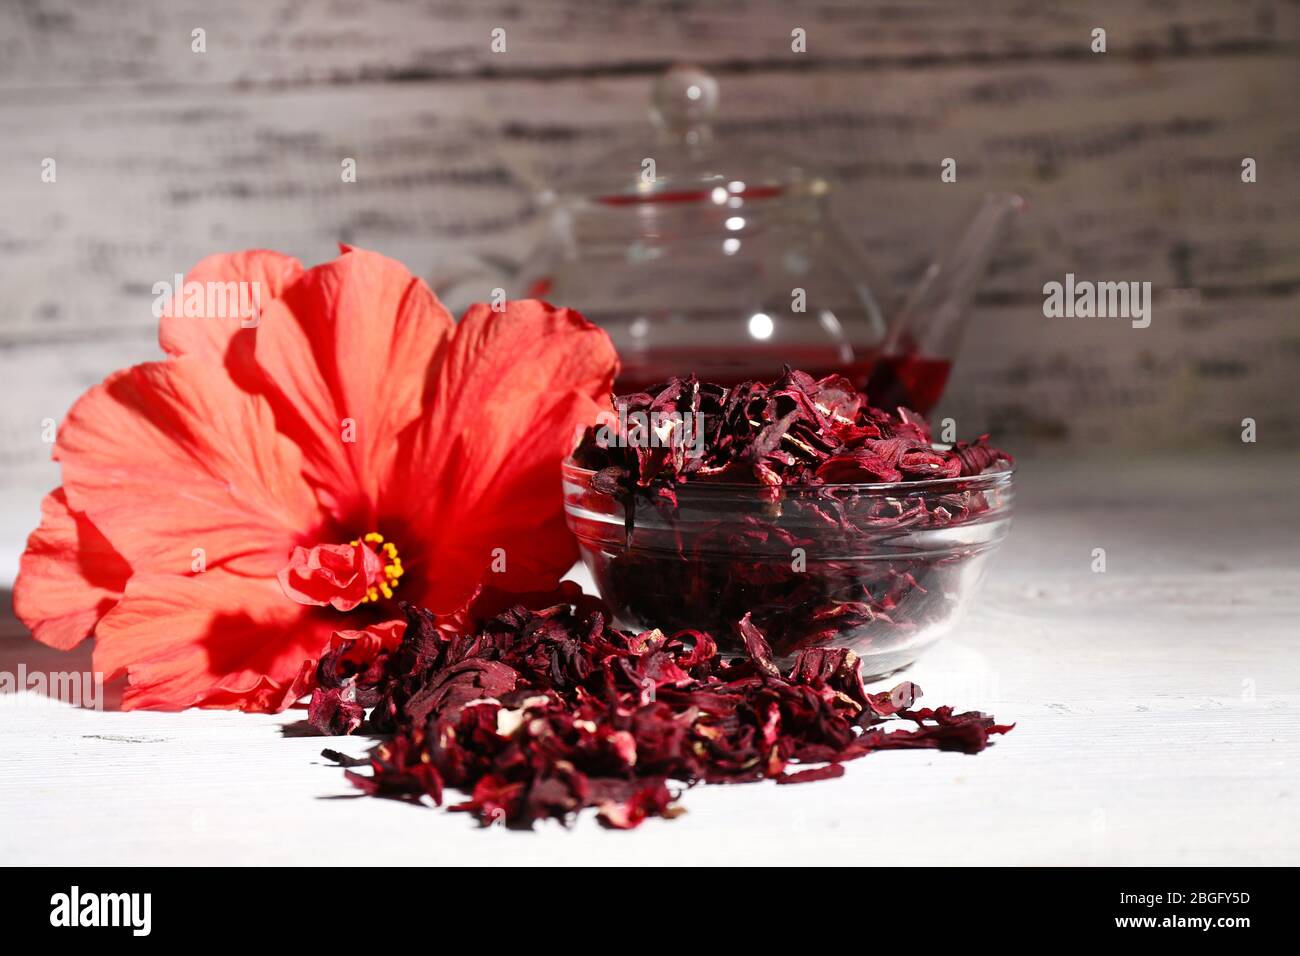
column 684, row 102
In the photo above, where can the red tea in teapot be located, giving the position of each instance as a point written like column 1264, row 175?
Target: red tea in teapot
column 913, row 380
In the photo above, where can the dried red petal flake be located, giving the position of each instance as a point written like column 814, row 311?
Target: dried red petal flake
column 541, row 711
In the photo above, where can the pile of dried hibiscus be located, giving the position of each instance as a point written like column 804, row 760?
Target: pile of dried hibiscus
column 543, row 710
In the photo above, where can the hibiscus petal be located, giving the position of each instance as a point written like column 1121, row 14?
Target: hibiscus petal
column 209, row 336
column 215, row 639
column 483, row 471
column 336, row 574
column 346, row 354
column 171, row 457
column 69, row 576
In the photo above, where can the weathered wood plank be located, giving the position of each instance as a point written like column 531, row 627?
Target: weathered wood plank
column 68, row 43
column 1155, row 708
column 1132, row 170
column 1190, row 378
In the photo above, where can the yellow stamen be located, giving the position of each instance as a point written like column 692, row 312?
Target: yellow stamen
column 392, row 567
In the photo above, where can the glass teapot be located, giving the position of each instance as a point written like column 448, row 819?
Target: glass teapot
column 699, row 258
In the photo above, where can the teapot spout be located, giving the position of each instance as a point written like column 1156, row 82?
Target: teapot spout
column 933, row 316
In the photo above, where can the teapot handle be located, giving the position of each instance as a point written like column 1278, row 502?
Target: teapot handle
column 469, row 277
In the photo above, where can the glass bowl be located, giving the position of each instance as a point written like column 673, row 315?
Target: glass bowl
column 884, row 569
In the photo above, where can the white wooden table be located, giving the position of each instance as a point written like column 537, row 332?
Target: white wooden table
column 1157, row 705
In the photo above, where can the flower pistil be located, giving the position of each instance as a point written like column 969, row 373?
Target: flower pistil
column 392, row 569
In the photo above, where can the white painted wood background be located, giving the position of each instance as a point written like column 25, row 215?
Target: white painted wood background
column 1158, row 712
column 1157, row 702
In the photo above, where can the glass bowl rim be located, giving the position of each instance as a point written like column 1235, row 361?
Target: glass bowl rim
column 992, row 477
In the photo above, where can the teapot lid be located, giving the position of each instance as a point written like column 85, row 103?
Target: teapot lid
column 684, row 160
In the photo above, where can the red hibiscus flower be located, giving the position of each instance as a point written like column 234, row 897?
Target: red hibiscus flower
column 292, row 471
